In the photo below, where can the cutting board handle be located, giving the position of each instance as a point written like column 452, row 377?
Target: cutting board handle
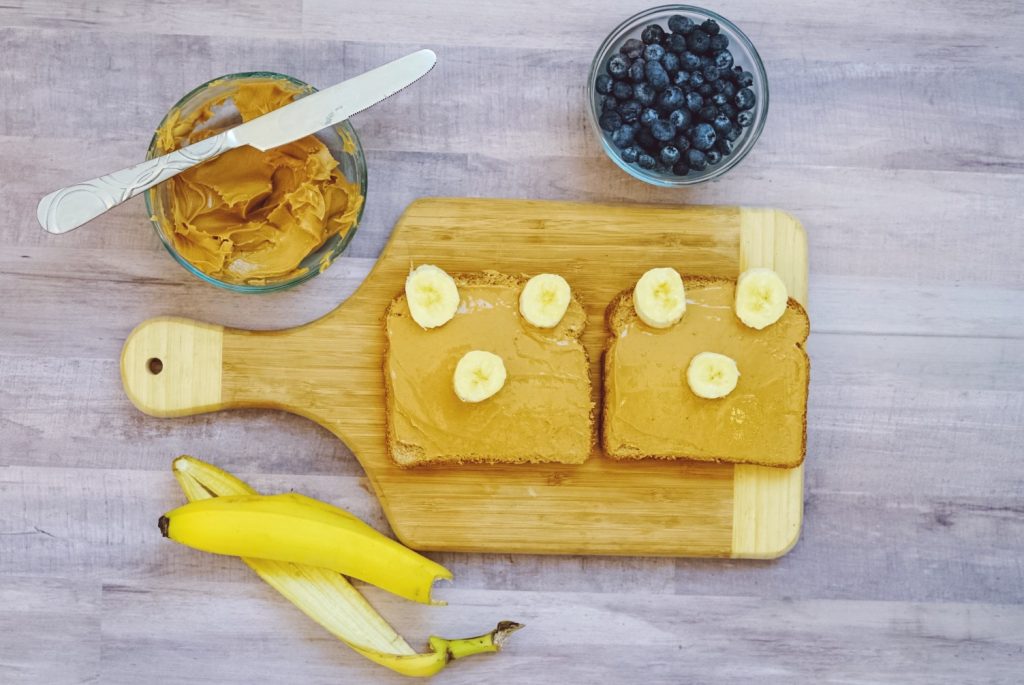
column 172, row 367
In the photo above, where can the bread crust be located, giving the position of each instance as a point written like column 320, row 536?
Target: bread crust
column 620, row 312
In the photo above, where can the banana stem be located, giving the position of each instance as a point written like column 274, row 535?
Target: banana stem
column 468, row 646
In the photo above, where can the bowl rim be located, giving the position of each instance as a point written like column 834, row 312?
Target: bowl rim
column 612, row 152
column 345, row 129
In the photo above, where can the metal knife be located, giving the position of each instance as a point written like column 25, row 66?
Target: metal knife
column 68, row 208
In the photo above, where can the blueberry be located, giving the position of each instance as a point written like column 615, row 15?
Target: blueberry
column 671, row 98
column 617, row 65
column 652, row 34
column 682, row 142
column 710, row 27
column 723, row 59
column 722, row 124
column 681, row 78
column 696, row 160
column 648, row 116
column 719, row 99
column 632, row 48
column 703, row 136
column 696, row 79
column 646, row 141
column 630, row 154
column 679, row 23
column 690, row 60
column 698, row 41
column 646, row 161
column 707, row 113
column 694, row 101
column 609, row 104
column 728, row 88
column 654, row 53
column 671, row 62
column 728, row 109
column 630, row 111
column 677, row 42
column 623, row 135
column 603, row 84
column 680, row 118
column 711, row 73
column 744, row 79
column 656, row 75
column 622, row 90
column 714, row 156
column 734, row 133
column 644, row 93
column 705, row 91
column 719, row 42
column 744, row 99
column 669, row 155
column 745, row 118
column 663, row 130
column 681, row 168
column 726, row 146
column 635, row 71
column 610, row 121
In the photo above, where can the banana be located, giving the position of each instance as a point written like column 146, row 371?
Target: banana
column 432, row 295
column 478, row 375
column 330, row 600
column 659, row 297
column 544, row 300
column 711, row 375
column 293, row 527
column 761, row 297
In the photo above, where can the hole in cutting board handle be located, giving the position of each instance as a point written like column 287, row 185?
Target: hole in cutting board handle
column 155, row 366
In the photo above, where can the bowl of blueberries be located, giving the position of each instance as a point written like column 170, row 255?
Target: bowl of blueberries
column 678, row 95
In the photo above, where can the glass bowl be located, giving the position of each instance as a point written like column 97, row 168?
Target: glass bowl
column 341, row 140
column 744, row 55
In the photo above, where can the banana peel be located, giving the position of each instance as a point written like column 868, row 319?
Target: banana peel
column 331, row 600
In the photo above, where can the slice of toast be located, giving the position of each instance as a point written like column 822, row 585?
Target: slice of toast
column 650, row 411
column 544, row 412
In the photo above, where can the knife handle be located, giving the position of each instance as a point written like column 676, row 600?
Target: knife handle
column 68, row 208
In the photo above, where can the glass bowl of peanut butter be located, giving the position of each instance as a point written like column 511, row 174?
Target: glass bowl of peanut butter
column 252, row 221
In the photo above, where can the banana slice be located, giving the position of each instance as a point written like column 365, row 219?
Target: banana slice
column 544, row 300
column 711, row 375
column 761, row 297
column 659, row 297
column 478, row 375
column 432, row 294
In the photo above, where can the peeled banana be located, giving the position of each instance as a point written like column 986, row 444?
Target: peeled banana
column 761, row 297
column 659, row 297
column 478, row 375
column 544, row 300
column 711, row 375
column 432, row 295
column 330, row 600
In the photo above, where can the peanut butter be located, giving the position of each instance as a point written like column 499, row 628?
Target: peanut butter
column 542, row 413
column 249, row 216
column 651, row 411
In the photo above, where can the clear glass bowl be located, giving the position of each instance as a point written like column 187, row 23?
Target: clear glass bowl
column 744, row 55
column 341, row 140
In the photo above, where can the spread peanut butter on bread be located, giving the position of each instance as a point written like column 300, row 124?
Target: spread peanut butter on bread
column 533, row 403
column 651, row 410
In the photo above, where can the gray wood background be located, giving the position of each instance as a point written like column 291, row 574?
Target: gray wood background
column 894, row 134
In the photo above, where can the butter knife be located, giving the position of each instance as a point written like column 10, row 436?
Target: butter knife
column 68, row 208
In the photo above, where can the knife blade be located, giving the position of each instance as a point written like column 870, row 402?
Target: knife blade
column 68, row 208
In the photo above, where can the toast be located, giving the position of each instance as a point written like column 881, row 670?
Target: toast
column 650, row 411
column 544, row 412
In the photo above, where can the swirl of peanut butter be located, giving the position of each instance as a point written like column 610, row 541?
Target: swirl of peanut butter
column 249, row 216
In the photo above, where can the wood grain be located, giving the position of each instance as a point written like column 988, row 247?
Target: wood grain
column 330, row 371
column 894, row 135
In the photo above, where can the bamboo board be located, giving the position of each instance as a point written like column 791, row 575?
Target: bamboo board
column 330, row 371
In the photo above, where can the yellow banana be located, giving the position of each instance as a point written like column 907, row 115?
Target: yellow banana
column 330, row 600
column 293, row 527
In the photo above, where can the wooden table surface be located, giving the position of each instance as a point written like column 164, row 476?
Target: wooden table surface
column 894, row 134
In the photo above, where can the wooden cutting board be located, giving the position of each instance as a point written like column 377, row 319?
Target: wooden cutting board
column 330, row 371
